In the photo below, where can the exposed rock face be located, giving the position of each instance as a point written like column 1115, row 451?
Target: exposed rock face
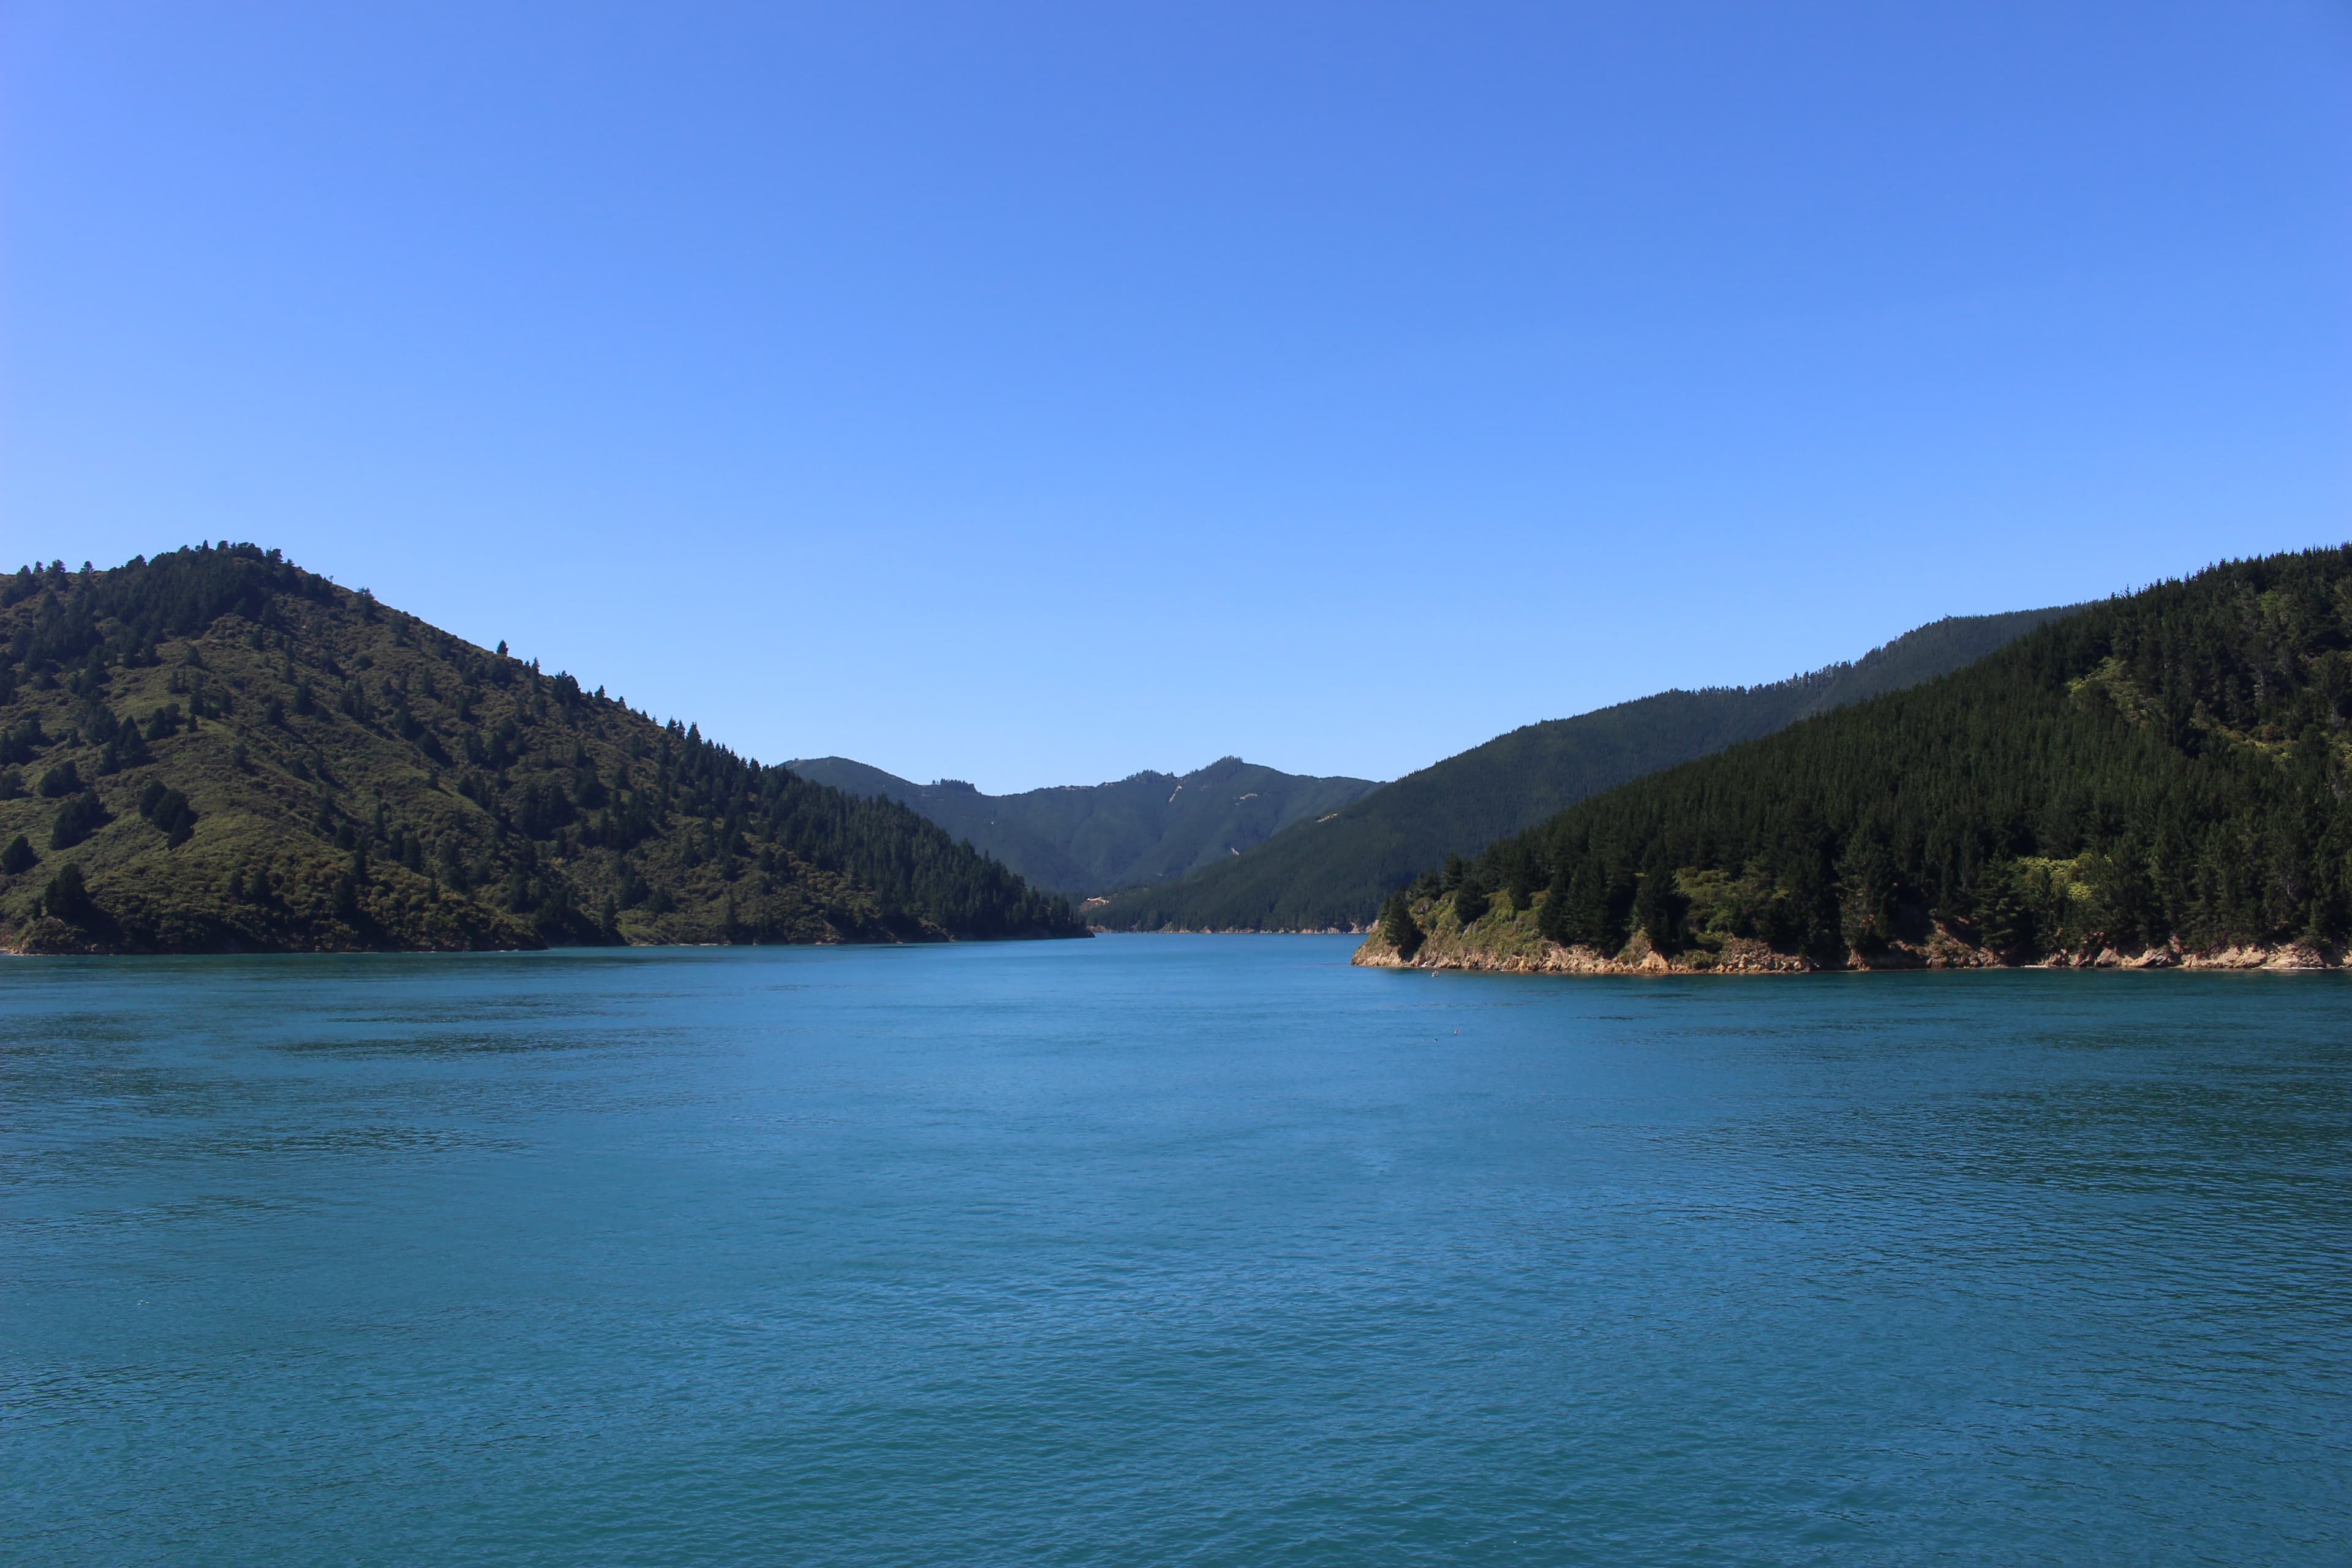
column 1507, row 944
column 1543, row 957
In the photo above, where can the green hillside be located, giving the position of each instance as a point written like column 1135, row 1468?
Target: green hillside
column 1090, row 838
column 2163, row 772
column 217, row 751
column 1321, row 873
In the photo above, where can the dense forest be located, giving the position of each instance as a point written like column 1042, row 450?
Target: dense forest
column 217, row 750
column 1335, row 872
column 2166, row 771
column 1090, row 838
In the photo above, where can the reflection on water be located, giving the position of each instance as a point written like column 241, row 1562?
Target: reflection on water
column 1166, row 1249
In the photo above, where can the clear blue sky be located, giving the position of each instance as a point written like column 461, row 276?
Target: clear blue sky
column 1035, row 394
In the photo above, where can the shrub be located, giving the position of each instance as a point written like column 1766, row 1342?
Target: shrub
column 169, row 810
column 17, row 745
column 62, row 779
column 80, row 817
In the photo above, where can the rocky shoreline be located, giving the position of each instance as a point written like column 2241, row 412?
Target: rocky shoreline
column 1234, row 931
column 1521, row 952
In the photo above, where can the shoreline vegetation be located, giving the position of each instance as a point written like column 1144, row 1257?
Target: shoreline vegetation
column 1331, row 872
column 1509, row 941
column 215, row 751
column 2161, row 781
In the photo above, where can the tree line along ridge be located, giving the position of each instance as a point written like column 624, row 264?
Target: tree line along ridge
column 2157, row 777
column 215, row 750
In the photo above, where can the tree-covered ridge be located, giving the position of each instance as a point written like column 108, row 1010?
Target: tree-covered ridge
column 1335, row 872
column 216, row 749
column 2163, row 771
column 1090, row 838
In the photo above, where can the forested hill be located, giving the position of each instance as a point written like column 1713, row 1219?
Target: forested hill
column 1321, row 873
column 217, row 751
column 1090, row 838
column 2162, row 777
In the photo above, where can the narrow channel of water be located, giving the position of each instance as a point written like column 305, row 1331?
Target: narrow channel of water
column 1166, row 1251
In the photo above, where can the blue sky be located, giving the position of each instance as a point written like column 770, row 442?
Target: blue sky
column 1036, row 393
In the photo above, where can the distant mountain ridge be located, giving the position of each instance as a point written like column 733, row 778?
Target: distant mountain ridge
column 1318, row 875
column 1082, row 839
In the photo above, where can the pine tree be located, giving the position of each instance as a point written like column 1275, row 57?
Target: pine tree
column 1519, row 884
column 1553, row 919
column 1657, row 906
column 68, row 897
column 1398, row 927
column 1593, row 915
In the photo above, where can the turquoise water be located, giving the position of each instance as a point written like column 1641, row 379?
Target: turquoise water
column 1166, row 1251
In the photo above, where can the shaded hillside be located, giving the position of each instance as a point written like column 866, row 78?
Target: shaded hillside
column 1088, row 838
column 1336, row 873
column 214, row 750
column 2162, row 777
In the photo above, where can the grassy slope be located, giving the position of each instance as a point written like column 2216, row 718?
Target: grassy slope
column 1336, row 873
column 361, row 838
column 1088, row 838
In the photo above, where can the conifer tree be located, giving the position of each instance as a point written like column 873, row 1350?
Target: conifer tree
column 1552, row 919
column 1398, row 927
column 1519, row 884
column 68, row 897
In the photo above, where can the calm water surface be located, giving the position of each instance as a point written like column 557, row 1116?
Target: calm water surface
column 1166, row 1251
